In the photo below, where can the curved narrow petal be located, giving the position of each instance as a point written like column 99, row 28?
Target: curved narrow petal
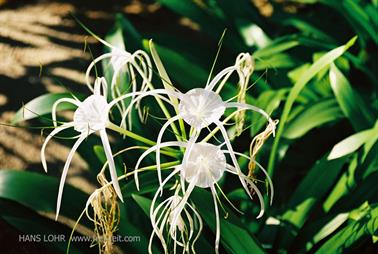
column 138, row 99
column 155, row 224
column 270, row 182
column 253, row 108
column 158, row 143
column 112, row 168
column 219, row 76
column 189, row 146
column 183, row 201
column 100, row 83
column 232, row 154
column 217, row 231
column 200, row 222
column 55, row 106
column 150, row 150
column 153, row 92
column 53, row 133
column 92, row 64
column 152, row 216
column 65, row 171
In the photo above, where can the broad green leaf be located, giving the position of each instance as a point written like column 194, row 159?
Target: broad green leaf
column 100, row 153
column 276, row 61
column 313, row 116
column 350, row 102
column 39, row 192
column 318, row 181
column 365, row 225
column 327, row 229
column 359, row 16
column 343, row 186
column 297, row 88
column 274, row 48
column 41, row 106
column 308, row 29
column 144, row 203
column 131, row 37
column 186, row 73
column 234, row 237
column 351, row 144
column 268, row 101
column 49, row 233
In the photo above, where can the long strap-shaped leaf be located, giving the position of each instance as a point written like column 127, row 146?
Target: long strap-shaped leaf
column 298, row 86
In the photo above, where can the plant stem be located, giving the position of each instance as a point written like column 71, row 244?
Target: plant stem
column 130, row 134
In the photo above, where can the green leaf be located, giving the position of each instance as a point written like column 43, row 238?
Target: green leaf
column 351, row 144
column 313, row 116
column 350, row 102
column 318, row 181
column 365, row 225
column 186, row 73
column 275, row 61
column 275, row 48
column 297, row 88
column 234, row 237
column 40, row 106
column 33, row 224
column 268, row 101
column 39, row 192
column 144, row 203
column 167, row 83
column 100, row 153
column 327, row 229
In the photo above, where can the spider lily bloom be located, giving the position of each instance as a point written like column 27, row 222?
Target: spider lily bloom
column 203, row 168
column 133, row 64
column 184, row 232
column 201, row 107
column 90, row 116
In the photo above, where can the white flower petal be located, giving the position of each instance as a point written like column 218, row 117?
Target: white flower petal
column 219, row 76
column 112, row 168
column 64, row 172
column 53, row 133
column 150, row 150
column 200, row 108
column 55, row 106
column 217, row 230
column 158, row 143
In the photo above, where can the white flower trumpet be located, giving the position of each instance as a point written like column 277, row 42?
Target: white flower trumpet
column 90, row 116
column 201, row 107
column 133, row 64
column 203, row 168
column 184, row 232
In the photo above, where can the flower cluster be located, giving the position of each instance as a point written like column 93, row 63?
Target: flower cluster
column 206, row 156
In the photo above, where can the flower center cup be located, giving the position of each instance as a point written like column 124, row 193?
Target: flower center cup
column 91, row 115
column 200, row 108
column 206, row 162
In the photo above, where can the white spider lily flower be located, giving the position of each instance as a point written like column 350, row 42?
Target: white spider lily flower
column 203, row 166
column 90, row 116
column 134, row 64
column 201, row 107
column 184, row 232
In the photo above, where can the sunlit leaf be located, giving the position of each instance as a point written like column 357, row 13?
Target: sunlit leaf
column 298, row 87
column 41, row 106
column 313, row 116
column 350, row 102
